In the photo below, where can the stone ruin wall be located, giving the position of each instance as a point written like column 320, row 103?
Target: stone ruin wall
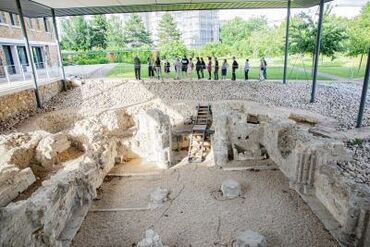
column 308, row 161
column 21, row 103
column 52, row 215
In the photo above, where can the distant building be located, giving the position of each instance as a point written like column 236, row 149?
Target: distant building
column 197, row 27
column 13, row 57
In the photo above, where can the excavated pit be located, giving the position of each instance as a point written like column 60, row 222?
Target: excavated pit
column 99, row 169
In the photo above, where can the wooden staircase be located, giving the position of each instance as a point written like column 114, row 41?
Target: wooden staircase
column 199, row 134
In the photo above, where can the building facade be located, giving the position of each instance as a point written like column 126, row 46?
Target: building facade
column 13, row 57
column 197, row 27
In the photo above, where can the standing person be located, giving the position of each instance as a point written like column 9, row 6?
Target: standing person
column 150, row 68
column 158, row 68
column 224, row 67
column 217, row 67
column 190, row 69
column 262, row 70
column 137, row 66
column 203, row 67
column 184, row 62
column 178, row 68
column 246, row 69
column 167, row 69
column 209, row 68
column 234, row 67
column 198, row 67
column 263, row 61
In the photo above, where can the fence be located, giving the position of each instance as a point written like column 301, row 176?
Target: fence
column 13, row 73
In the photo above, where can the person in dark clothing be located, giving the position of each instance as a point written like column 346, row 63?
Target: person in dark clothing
column 203, row 67
column 184, row 67
column 137, row 66
column 217, row 67
column 158, row 68
column 150, row 68
column 198, row 67
column 167, row 67
column 209, row 68
column 264, row 63
column 234, row 67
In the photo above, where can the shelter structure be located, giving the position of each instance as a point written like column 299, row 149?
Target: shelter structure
column 51, row 8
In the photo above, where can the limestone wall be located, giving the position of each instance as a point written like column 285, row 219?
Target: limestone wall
column 21, row 103
column 308, row 161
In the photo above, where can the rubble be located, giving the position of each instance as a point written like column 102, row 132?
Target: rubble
column 151, row 239
column 49, row 147
column 250, row 239
column 159, row 196
column 231, row 188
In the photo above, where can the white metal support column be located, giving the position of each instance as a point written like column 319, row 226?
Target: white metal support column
column 58, row 46
column 29, row 54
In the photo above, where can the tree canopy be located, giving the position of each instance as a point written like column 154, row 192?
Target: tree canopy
column 77, row 34
column 167, row 30
column 304, row 31
column 135, row 34
column 359, row 33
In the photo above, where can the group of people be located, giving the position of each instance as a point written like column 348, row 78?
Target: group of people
column 184, row 68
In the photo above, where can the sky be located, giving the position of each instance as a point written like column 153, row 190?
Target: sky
column 345, row 8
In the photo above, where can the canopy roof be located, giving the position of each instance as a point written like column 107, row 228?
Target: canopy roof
column 41, row 8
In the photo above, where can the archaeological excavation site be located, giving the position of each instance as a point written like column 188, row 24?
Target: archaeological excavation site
column 183, row 163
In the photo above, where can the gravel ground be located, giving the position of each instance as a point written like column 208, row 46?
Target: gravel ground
column 196, row 216
column 358, row 169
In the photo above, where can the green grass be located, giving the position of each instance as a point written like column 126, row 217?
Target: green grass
column 273, row 73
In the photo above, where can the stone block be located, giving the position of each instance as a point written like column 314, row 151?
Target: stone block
column 49, row 147
column 231, row 188
column 250, row 239
column 151, row 239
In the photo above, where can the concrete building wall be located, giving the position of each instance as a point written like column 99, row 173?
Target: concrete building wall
column 197, row 27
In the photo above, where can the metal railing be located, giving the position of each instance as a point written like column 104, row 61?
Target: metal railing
column 16, row 73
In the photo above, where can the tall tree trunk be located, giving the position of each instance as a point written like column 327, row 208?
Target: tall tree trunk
column 313, row 64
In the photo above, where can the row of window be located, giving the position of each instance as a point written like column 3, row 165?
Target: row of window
column 40, row 24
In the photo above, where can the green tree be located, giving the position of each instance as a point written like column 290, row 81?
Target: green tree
column 167, row 30
column 304, row 31
column 76, row 34
column 115, row 33
column 99, row 28
column 239, row 29
column 173, row 49
column 134, row 32
column 359, row 34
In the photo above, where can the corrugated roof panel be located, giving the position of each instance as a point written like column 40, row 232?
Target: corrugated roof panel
column 41, row 8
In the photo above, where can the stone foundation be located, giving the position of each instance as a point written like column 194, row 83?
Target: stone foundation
column 20, row 103
column 307, row 160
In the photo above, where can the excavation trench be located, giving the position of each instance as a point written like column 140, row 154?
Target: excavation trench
column 110, row 162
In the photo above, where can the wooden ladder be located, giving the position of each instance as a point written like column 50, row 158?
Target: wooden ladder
column 198, row 134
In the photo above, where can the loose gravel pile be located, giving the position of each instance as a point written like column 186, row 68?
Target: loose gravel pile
column 358, row 169
column 339, row 101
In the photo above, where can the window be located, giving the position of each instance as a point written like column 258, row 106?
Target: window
column 46, row 24
column 30, row 23
column 14, row 19
column 2, row 17
column 38, row 26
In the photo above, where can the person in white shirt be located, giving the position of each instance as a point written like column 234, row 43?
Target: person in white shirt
column 190, row 68
column 246, row 69
column 178, row 68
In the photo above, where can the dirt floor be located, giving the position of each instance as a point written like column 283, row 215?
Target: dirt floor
column 195, row 214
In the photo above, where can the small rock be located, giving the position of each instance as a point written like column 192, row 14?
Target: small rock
column 231, row 188
column 250, row 239
column 151, row 239
column 159, row 195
